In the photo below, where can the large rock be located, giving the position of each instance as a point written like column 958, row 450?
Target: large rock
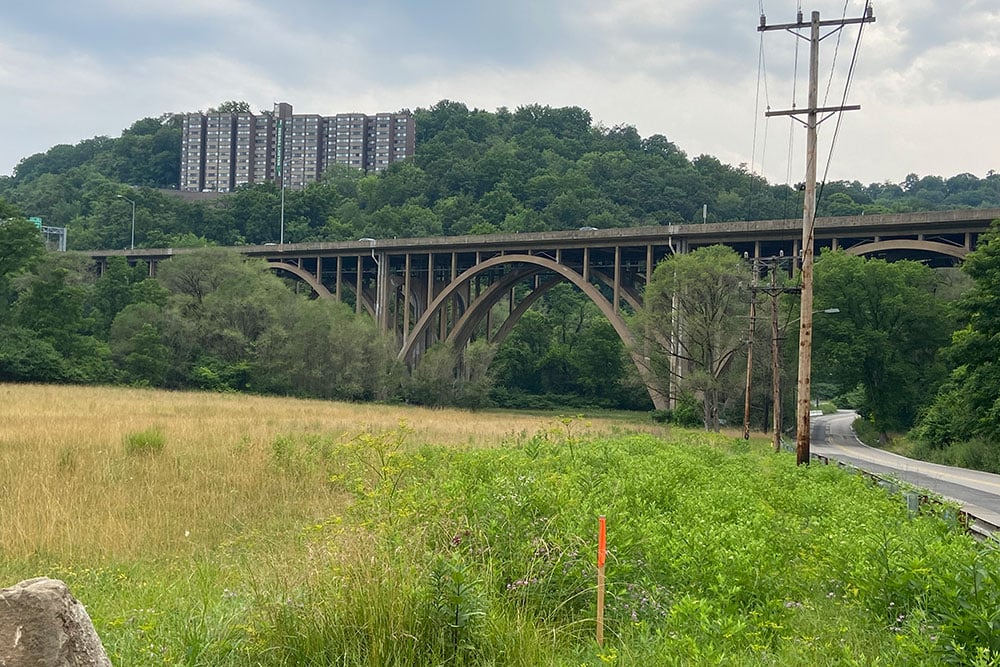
column 43, row 625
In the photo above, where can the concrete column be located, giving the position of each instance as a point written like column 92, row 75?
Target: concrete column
column 340, row 263
column 649, row 264
column 618, row 278
column 357, row 306
column 430, row 282
column 406, row 301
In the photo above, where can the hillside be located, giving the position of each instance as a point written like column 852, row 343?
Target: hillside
column 531, row 169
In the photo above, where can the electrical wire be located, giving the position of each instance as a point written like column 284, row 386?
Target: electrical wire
column 791, row 120
column 836, row 52
column 761, row 82
column 847, row 89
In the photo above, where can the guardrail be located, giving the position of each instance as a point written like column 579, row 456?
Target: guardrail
column 980, row 528
column 977, row 526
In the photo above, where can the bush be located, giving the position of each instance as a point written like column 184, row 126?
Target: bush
column 866, row 432
column 688, row 411
column 150, row 441
column 661, row 416
column 975, row 454
column 828, row 408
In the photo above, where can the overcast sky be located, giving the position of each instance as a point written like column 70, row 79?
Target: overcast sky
column 927, row 73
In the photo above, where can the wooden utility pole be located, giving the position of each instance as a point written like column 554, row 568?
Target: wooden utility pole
column 774, row 291
column 812, row 113
column 753, row 325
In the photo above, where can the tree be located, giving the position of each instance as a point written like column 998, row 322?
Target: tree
column 697, row 303
column 232, row 106
column 886, row 336
column 114, row 290
column 20, row 245
column 52, row 304
column 968, row 405
column 24, row 357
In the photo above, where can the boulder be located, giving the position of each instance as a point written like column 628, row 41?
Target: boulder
column 43, row 625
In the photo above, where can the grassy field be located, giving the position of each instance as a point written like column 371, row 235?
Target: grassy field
column 206, row 529
column 71, row 487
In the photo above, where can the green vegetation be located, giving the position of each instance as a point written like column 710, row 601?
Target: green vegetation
column 960, row 425
column 881, row 347
column 706, row 290
column 149, row 441
column 212, row 320
column 719, row 552
column 533, row 168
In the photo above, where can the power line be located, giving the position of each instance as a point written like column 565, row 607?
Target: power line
column 836, row 52
column 847, row 89
column 761, row 82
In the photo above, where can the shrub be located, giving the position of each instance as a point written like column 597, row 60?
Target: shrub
column 150, row 441
column 661, row 416
column 828, row 408
column 688, row 411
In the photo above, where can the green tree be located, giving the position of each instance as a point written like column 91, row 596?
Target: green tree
column 968, row 405
column 24, row 357
column 886, row 337
column 697, row 303
column 232, row 106
column 20, row 246
column 114, row 290
column 324, row 350
column 52, row 303
column 435, row 381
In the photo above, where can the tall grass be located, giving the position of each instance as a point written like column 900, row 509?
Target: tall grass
column 273, row 532
column 71, row 489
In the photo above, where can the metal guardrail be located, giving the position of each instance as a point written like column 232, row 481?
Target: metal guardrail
column 980, row 528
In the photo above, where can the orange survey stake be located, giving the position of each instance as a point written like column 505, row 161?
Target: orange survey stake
column 602, row 541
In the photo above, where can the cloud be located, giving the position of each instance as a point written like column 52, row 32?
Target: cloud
column 928, row 76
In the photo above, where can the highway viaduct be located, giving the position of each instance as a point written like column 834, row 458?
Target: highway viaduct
column 452, row 289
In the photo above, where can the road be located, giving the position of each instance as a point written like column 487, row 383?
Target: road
column 977, row 492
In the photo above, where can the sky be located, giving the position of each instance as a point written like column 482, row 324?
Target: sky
column 927, row 72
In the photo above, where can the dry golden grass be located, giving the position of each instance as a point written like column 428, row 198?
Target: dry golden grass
column 68, row 488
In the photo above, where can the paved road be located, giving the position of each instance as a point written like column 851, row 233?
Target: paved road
column 977, row 492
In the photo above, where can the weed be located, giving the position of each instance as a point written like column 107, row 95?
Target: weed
column 457, row 604
column 66, row 461
column 149, row 441
column 380, row 456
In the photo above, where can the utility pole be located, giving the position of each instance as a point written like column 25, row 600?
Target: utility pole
column 753, row 323
column 774, row 291
column 812, row 113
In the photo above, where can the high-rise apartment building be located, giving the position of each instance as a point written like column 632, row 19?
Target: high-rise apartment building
column 221, row 151
column 193, row 153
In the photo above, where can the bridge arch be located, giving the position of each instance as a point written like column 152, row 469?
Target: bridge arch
column 947, row 249
column 528, row 265
column 317, row 287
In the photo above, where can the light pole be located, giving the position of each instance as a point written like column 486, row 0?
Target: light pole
column 132, row 244
column 281, row 233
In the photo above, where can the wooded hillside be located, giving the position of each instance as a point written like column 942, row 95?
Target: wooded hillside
column 532, row 169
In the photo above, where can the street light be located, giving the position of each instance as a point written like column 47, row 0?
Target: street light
column 132, row 245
